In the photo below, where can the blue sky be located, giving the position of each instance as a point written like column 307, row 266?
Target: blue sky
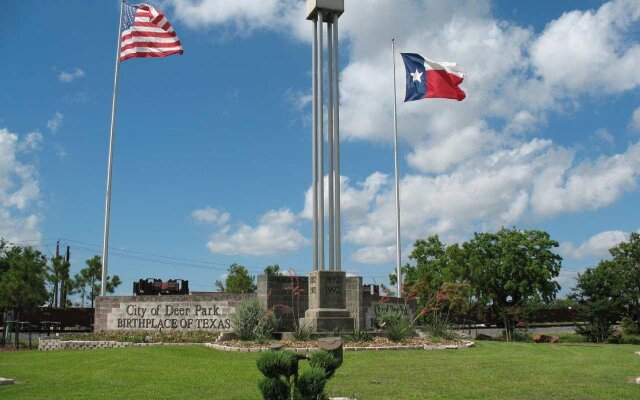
column 212, row 159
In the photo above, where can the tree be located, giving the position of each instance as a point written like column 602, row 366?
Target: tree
column 89, row 280
column 22, row 277
column 272, row 270
column 238, row 280
column 512, row 267
column 626, row 256
column 599, row 292
column 58, row 277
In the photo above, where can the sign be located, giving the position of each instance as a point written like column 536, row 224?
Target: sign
column 378, row 308
column 163, row 315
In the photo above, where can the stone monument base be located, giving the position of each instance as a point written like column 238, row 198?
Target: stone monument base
column 327, row 320
column 327, row 303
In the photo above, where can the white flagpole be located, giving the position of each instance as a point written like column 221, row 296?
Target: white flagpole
column 395, row 147
column 112, row 134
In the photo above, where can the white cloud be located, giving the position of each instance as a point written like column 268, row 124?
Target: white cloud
column 31, row 142
column 54, row 123
column 276, row 233
column 210, row 215
column 596, row 246
column 19, row 190
column 574, row 50
column 635, row 120
column 70, row 76
column 374, row 255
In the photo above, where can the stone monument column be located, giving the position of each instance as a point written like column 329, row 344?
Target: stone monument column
column 327, row 288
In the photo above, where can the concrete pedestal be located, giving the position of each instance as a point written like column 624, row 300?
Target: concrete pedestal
column 327, row 303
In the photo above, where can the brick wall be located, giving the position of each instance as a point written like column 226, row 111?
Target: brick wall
column 288, row 296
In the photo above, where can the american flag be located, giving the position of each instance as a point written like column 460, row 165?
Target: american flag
column 147, row 33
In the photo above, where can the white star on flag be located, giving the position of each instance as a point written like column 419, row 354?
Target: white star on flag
column 416, row 76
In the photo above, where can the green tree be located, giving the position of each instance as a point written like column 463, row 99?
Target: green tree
column 512, row 267
column 22, row 277
column 599, row 291
column 238, row 280
column 58, row 277
column 626, row 256
column 89, row 280
column 272, row 270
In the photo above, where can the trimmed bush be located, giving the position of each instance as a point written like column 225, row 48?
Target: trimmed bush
column 252, row 322
column 273, row 364
column 274, row 389
column 325, row 361
column 311, row 384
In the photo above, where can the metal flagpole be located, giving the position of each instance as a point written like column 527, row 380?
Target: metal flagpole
column 112, row 134
column 320, row 145
column 330, row 143
column 336, row 136
column 395, row 147
column 314, row 142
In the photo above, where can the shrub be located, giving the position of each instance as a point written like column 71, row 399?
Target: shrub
column 360, row 335
column 273, row 364
column 274, row 389
column 311, row 384
column 325, row 361
column 438, row 327
column 252, row 322
column 395, row 325
column 301, row 332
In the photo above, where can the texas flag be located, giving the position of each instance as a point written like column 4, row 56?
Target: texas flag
column 428, row 79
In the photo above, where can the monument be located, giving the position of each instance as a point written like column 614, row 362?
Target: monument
column 327, row 288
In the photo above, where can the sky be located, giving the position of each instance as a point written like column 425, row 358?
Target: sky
column 212, row 161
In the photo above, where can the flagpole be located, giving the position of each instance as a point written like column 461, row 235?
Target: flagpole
column 112, row 134
column 395, row 148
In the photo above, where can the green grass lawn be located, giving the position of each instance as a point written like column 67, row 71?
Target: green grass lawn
column 490, row 371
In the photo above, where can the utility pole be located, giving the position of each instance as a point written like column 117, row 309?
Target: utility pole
column 56, row 277
column 63, row 283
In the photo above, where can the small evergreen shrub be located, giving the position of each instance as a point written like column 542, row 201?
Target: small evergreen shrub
column 311, row 384
column 274, row 389
column 395, row 325
column 274, row 364
column 252, row 322
column 325, row 361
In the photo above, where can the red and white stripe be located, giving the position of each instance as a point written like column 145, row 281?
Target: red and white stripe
column 150, row 35
column 443, row 79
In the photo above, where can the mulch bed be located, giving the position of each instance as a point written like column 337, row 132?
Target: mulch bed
column 375, row 342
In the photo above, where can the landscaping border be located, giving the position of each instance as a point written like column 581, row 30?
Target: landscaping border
column 464, row 345
column 57, row 344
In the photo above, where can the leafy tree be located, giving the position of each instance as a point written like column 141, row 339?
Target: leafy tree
column 512, row 267
column 626, row 256
column 89, row 280
column 599, row 292
column 272, row 270
column 238, row 280
column 22, row 277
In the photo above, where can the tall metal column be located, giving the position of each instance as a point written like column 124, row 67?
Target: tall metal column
column 330, row 146
column 336, row 138
column 320, row 143
column 314, row 141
